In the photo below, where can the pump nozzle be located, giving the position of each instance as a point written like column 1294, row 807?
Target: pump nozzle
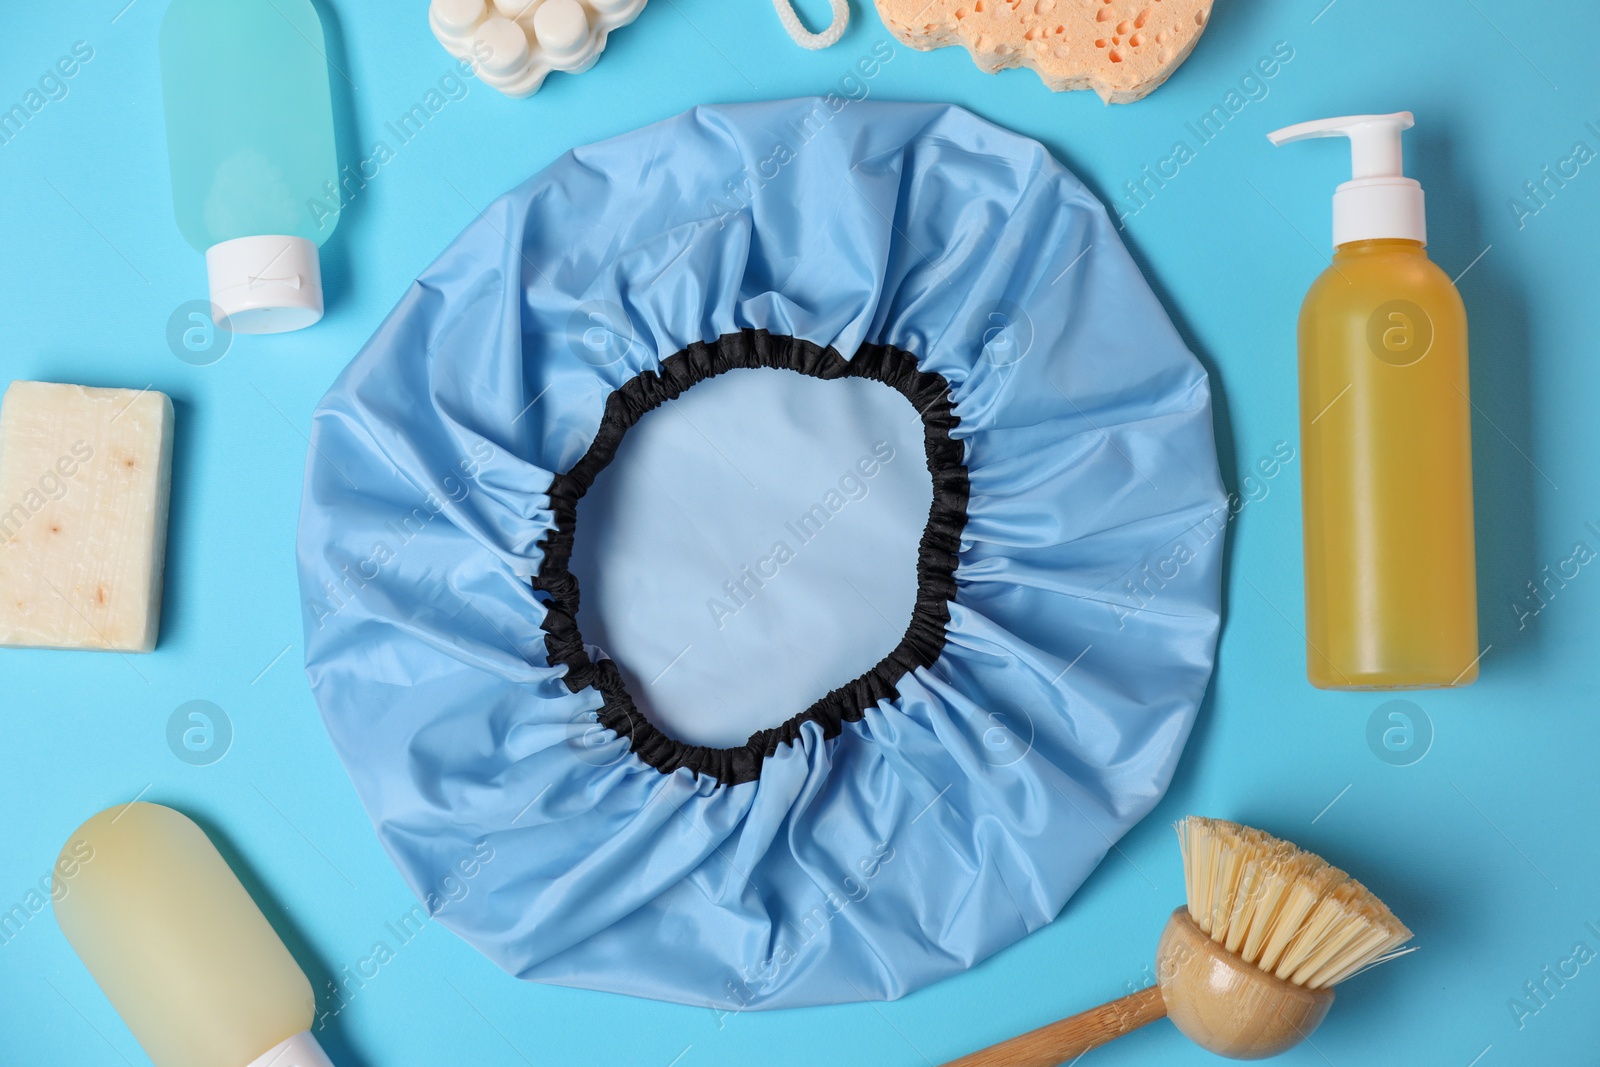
column 1379, row 201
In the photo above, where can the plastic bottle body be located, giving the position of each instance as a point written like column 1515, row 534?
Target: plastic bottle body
column 1386, row 432
column 176, row 943
column 249, row 119
column 251, row 146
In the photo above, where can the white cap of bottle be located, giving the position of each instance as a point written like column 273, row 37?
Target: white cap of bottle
column 266, row 284
column 301, row 1050
column 1379, row 201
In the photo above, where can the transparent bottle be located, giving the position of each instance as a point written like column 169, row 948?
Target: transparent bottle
column 178, row 946
column 251, row 146
column 1386, row 437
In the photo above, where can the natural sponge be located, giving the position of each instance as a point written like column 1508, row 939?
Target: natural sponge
column 1122, row 49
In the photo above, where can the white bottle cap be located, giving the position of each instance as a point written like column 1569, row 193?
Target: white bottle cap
column 266, row 284
column 1379, row 201
column 301, row 1050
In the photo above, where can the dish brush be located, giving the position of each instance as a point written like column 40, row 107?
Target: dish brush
column 1247, row 968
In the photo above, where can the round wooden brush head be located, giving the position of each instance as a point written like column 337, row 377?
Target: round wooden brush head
column 1247, row 968
column 1228, row 1006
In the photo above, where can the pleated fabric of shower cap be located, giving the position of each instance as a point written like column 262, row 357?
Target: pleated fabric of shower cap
column 891, row 495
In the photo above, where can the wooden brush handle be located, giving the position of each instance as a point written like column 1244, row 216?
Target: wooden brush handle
column 1061, row 1041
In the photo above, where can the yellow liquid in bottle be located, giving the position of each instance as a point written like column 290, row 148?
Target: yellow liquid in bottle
column 176, row 943
column 1386, row 433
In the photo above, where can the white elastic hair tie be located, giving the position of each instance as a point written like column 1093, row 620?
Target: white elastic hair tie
column 804, row 37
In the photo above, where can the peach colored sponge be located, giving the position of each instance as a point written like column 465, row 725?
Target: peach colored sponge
column 1122, row 49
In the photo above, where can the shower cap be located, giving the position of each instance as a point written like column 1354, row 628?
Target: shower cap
column 892, row 496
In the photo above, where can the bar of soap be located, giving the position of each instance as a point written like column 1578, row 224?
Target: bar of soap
column 85, row 476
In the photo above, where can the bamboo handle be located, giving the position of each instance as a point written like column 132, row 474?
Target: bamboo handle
column 1061, row 1041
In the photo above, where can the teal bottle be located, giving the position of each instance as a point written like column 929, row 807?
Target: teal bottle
column 251, row 146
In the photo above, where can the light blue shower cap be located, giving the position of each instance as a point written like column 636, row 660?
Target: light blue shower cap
column 893, row 499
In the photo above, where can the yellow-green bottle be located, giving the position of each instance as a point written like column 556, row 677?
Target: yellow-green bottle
column 1386, row 437
column 178, row 946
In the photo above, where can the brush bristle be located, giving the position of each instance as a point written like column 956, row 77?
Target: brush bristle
column 1281, row 908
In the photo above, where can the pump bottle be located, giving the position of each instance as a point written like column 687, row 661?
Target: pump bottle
column 1385, row 426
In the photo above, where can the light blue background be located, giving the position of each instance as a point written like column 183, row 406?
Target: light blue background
column 1486, row 846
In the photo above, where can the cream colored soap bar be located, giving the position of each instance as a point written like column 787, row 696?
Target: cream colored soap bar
column 84, row 482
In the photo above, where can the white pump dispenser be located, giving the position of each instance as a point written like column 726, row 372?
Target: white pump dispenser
column 1379, row 201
